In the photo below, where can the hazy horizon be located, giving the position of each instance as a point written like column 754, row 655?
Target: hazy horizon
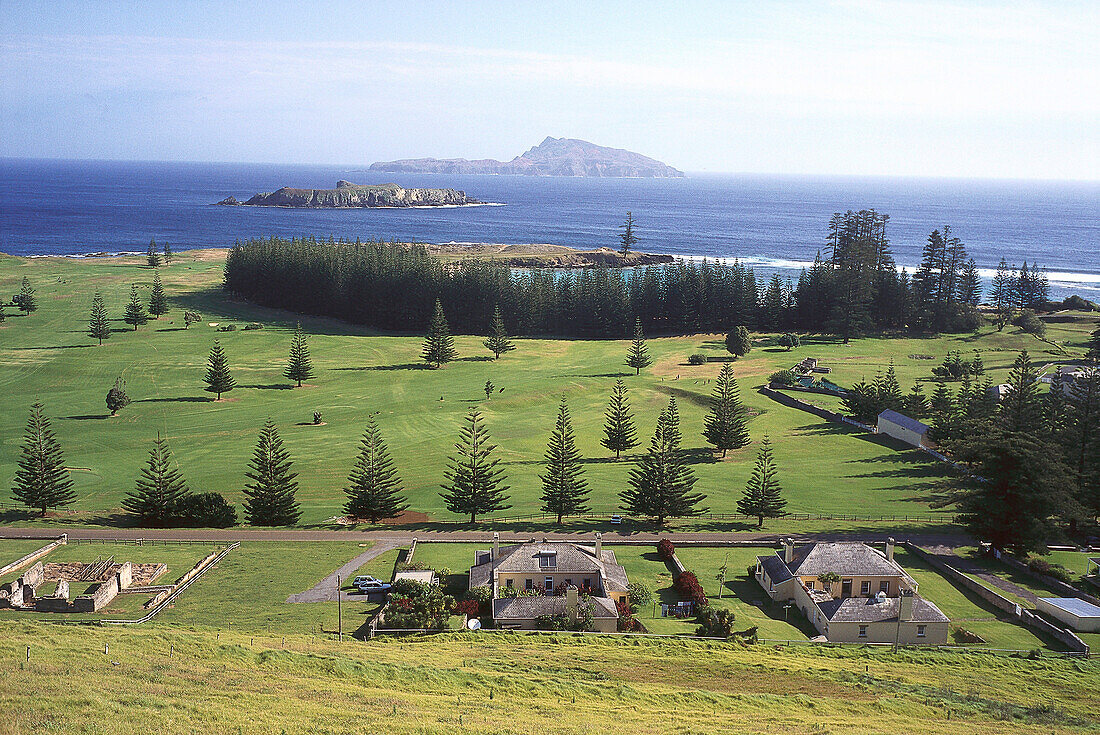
column 939, row 89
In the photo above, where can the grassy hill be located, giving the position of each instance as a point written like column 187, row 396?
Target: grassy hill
column 48, row 355
column 109, row 680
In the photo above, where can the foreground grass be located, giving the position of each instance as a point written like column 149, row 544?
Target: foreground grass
column 824, row 468
column 182, row 681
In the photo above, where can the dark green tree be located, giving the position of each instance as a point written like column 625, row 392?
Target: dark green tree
column 153, row 257
column 157, row 497
column 763, row 497
column 1021, row 411
column 270, row 497
column 564, row 489
column 439, row 345
column 117, row 398
column 725, row 427
column 489, row 388
column 789, row 341
column 135, row 310
column 638, row 357
column 218, row 378
column 1001, row 295
column 158, row 301
column 42, row 480
column 620, row 434
column 1094, row 345
column 498, row 342
column 1016, row 488
column 168, row 261
column 474, row 484
column 662, row 486
column 738, row 342
column 24, row 300
column 1076, row 429
column 627, row 240
column 375, row 490
column 99, row 327
column 299, row 367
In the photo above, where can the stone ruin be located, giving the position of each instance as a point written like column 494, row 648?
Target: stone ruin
column 108, row 580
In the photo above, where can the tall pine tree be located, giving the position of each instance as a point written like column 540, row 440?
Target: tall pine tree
column 99, row 327
column 474, row 484
column 498, row 342
column 564, row 489
column 153, row 257
column 299, row 367
column 638, row 357
column 270, row 497
column 157, row 496
column 1022, row 408
column 218, row 378
column 627, row 239
column 135, row 310
column 42, row 480
column 24, row 300
column 439, row 345
column 763, row 497
column 620, row 434
column 662, row 485
column 724, row 426
column 158, row 301
column 375, row 491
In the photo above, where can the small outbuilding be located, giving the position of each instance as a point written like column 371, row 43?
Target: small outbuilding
column 901, row 427
column 1078, row 614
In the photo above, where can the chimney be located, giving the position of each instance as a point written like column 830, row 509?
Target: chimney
column 890, row 549
column 599, row 545
column 572, row 603
column 788, row 550
column 905, row 606
column 496, row 546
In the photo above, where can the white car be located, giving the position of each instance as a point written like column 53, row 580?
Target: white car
column 370, row 585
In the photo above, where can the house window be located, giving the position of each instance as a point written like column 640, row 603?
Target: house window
column 810, row 585
column 865, row 587
column 884, row 587
column 588, row 582
column 508, row 583
column 921, row 630
column 528, row 584
column 846, row 588
column 622, row 599
column 548, row 561
column 549, row 584
column 863, row 631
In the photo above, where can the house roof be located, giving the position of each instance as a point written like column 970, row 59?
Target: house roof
column 571, row 558
column 1074, row 606
column 900, row 419
column 529, row 608
column 774, row 567
column 873, row 610
column 842, row 557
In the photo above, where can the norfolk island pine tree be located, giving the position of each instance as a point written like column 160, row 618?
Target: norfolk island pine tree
column 135, row 310
column 270, row 496
column 497, row 341
column 218, row 378
column 620, row 434
column 374, row 490
column 638, row 357
column 662, row 486
column 299, row 367
column 99, row 326
column 474, row 484
column 564, row 489
column 724, row 426
column 763, row 497
column 157, row 495
column 158, row 301
column 439, row 345
column 42, row 480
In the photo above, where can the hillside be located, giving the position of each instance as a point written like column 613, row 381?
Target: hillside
column 347, row 195
column 552, row 157
column 183, row 681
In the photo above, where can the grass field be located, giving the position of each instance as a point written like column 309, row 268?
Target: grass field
column 178, row 681
column 824, row 468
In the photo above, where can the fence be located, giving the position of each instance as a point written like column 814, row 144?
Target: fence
column 1025, row 617
column 607, row 516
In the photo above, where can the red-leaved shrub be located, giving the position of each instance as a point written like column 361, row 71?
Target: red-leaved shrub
column 665, row 549
column 467, row 607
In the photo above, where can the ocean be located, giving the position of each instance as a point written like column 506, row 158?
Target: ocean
column 774, row 223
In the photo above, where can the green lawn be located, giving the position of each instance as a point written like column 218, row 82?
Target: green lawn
column 824, row 468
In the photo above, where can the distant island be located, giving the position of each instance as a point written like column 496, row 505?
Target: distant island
column 552, row 157
column 347, row 195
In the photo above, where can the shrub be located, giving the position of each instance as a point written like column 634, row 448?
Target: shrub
column 190, row 317
column 1059, row 572
column 252, row 325
column 697, row 359
column 790, row 341
column 738, row 342
column 687, row 584
column 717, row 623
column 316, row 418
column 469, row 608
column 117, row 398
column 782, row 377
column 640, row 594
column 206, row 510
column 1031, row 324
column 483, row 594
column 665, row 549
column 227, row 328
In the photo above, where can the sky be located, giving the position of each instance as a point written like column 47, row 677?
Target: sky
column 862, row 87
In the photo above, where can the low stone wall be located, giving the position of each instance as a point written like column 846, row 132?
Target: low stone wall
column 191, row 574
column 34, row 576
column 98, row 598
column 1025, row 617
column 33, row 556
column 793, row 402
column 124, row 577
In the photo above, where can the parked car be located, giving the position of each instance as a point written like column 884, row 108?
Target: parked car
column 364, row 578
column 616, row 520
column 372, row 586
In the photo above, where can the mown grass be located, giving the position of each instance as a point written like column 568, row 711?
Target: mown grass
column 180, row 681
column 824, row 468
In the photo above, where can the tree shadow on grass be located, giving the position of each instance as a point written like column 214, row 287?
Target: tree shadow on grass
column 698, row 399
column 51, row 347
column 403, row 366
column 89, row 417
column 594, row 375
column 475, row 358
column 272, row 386
column 177, row 399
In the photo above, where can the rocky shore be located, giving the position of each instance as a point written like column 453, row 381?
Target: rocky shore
column 347, row 195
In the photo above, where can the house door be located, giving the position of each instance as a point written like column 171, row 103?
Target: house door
column 846, row 588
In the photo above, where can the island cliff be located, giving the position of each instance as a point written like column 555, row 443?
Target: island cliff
column 348, row 196
column 552, row 157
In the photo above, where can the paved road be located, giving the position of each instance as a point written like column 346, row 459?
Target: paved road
column 325, row 590
column 403, row 536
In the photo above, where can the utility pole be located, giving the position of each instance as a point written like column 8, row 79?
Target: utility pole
column 339, row 612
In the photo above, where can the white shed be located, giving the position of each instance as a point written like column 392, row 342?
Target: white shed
column 902, row 427
column 1079, row 615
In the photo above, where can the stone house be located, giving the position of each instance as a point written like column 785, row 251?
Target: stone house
column 537, row 579
column 870, row 600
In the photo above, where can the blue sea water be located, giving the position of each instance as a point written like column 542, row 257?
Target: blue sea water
column 770, row 222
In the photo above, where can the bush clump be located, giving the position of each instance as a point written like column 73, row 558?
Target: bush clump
column 782, row 377
column 697, row 359
column 1059, row 572
column 227, row 328
column 665, row 549
column 206, row 510
column 252, row 325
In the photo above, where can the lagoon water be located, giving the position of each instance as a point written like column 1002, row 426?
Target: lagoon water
column 770, row 222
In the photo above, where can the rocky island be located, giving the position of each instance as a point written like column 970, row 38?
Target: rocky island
column 347, row 195
column 552, row 157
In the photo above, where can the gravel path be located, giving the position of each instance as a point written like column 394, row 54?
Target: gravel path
column 971, row 567
column 325, row 590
